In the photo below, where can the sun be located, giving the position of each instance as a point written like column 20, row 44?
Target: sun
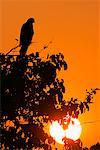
column 73, row 130
column 57, row 132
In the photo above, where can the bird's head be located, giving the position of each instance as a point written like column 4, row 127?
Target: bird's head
column 31, row 20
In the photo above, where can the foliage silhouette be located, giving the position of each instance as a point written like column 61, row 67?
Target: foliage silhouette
column 32, row 95
column 95, row 147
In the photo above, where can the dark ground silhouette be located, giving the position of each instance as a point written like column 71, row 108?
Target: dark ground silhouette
column 31, row 95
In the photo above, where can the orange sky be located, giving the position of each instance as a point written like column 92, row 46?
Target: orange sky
column 73, row 25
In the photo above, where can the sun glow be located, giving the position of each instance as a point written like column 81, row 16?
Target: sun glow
column 73, row 130
column 57, row 132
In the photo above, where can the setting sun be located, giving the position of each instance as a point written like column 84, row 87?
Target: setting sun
column 72, row 132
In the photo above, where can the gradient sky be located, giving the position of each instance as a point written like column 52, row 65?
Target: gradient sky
column 73, row 26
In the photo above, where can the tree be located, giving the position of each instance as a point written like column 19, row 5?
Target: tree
column 32, row 95
column 95, row 147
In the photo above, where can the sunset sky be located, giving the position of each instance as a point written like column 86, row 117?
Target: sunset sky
column 74, row 28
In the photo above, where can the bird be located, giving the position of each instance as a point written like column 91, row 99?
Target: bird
column 26, row 35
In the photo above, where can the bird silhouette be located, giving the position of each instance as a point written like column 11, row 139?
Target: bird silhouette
column 26, row 35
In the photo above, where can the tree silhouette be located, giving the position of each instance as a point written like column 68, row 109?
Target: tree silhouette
column 95, row 147
column 31, row 96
